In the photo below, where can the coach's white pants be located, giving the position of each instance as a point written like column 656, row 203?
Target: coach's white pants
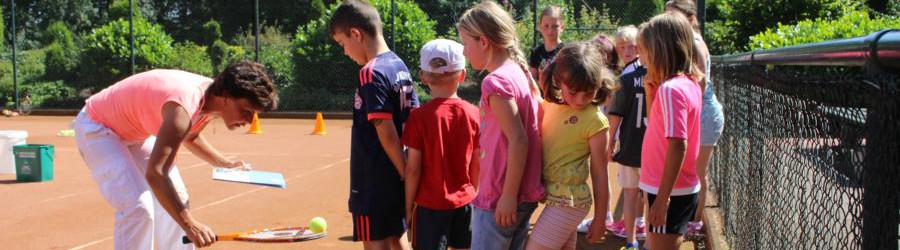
column 119, row 168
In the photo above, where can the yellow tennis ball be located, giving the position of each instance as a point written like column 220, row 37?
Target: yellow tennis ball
column 318, row 225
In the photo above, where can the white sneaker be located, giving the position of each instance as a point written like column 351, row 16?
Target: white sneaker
column 584, row 226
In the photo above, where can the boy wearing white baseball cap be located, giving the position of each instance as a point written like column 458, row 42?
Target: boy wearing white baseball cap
column 442, row 162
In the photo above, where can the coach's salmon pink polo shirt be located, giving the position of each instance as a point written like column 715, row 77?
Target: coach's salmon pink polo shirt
column 132, row 107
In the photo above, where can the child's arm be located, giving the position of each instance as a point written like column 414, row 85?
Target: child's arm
column 614, row 122
column 413, row 174
column 517, row 149
column 475, row 168
column 674, row 157
column 600, row 182
column 390, row 141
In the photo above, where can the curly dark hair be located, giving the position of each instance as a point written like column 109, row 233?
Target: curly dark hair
column 246, row 79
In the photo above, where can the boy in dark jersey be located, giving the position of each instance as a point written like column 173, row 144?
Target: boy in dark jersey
column 628, row 115
column 552, row 24
column 382, row 103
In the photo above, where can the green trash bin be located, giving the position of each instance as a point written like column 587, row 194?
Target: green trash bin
column 34, row 162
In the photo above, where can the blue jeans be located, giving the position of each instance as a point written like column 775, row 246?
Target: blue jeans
column 486, row 235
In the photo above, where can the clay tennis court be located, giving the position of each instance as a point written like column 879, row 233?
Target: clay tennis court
column 69, row 212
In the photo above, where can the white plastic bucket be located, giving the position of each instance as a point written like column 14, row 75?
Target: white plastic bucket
column 8, row 139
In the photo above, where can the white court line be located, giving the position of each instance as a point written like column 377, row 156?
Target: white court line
column 261, row 188
column 91, row 243
column 55, row 198
column 88, row 191
column 229, row 198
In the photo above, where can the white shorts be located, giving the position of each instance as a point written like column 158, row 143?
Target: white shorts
column 118, row 168
column 628, row 177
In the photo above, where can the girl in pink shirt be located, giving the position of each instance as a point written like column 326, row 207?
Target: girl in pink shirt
column 510, row 178
column 672, row 139
column 130, row 132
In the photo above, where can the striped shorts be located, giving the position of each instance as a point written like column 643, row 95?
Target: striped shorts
column 555, row 228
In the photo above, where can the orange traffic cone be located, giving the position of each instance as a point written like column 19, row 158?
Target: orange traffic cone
column 254, row 127
column 320, row 125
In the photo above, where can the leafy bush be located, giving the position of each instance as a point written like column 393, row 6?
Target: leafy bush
column 107, row 55
column 734, row 21
column 594, row 18
column 118, row 9
column 275, row 53
column 192, row 58
column 321, row 65
column 53, row 94
column 31, row 69
column 212, row 31
column 63, row 55
column 2, row 32
column 221, row 54
column 853, row 24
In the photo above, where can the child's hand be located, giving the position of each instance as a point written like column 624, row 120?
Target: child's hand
column 657, row 215
column 596, row 232
column 505, row 213
column 240, row 165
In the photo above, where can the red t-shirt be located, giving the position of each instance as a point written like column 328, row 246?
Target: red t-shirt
column 446, row 131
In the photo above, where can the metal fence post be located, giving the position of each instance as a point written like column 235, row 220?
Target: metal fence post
column 256, row 27
column 131, row 31
column 15, row 68
column 881, row 204
column 534, row 30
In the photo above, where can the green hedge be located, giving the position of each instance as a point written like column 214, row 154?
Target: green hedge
column 853, row 24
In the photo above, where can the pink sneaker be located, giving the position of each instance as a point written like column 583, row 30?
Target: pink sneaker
column 639, row 233
column 616, row 226
column 695, row 229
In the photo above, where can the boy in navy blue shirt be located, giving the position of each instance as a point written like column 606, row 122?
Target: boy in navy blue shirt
column 382, row 103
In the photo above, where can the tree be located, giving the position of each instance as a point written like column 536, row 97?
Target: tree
column 63, row 55
column 212, row 32
column 34, row 16
column 2, row 32
column 107, row 55
column 445, row 13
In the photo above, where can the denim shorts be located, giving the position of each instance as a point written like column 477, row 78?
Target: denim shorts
column 712, row 121
column 486, row 235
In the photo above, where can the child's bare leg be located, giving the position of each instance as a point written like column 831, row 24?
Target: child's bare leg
column 663, row 241
column 631, row 209
column 397, row 243
column 376, row 245
column 702, row 164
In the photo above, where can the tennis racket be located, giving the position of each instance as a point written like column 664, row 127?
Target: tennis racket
column 269, row 235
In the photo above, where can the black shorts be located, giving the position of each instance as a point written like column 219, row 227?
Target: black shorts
column 439, row 229
column 375, row 228
column 681, row 210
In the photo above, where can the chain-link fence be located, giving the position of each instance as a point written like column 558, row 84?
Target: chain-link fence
column 809, row 157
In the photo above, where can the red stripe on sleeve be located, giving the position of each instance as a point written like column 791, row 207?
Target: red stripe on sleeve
column 380, row 115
